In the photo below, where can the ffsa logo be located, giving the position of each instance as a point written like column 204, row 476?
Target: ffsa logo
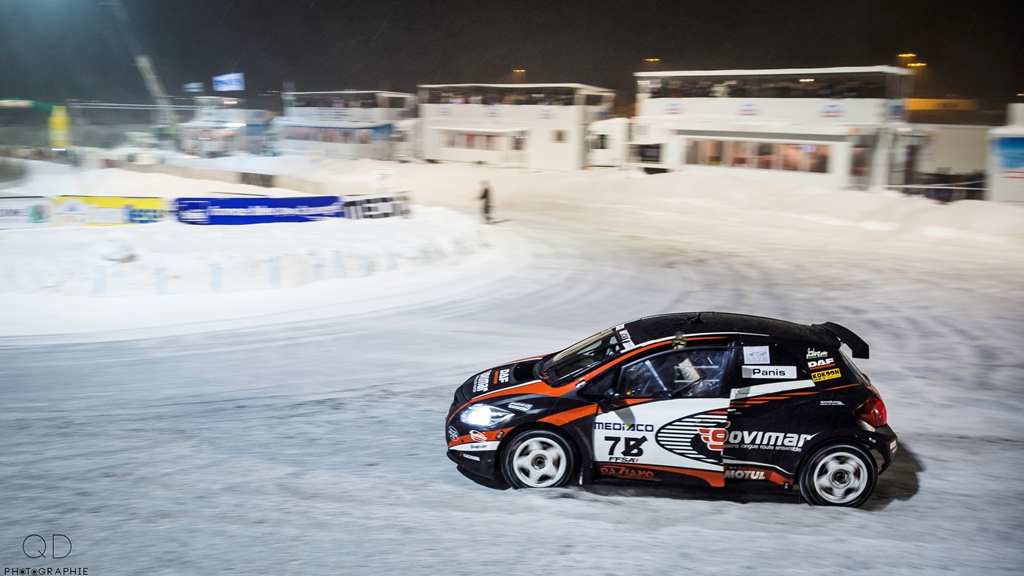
column 34, row 546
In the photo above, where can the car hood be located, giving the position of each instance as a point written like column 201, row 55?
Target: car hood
column 498, row 378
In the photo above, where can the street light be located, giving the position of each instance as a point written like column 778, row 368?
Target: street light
column 651, row 64
column 916, row 65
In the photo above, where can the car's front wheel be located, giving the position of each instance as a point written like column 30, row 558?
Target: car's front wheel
column 538, row 459
column 838, row 475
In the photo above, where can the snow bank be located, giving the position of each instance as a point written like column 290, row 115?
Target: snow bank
column 667, row 214
column 175, row 258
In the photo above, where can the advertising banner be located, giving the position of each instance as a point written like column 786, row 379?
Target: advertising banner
column 234, row 211
column 377, row 206
column 1010, row 155
column 24, row 212
column 229, row 82
column 106, row 210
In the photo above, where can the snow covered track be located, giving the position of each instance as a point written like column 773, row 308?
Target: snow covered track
column 316, row 444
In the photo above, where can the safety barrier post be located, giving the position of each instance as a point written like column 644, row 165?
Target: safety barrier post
column 161, row 281
column 99, row 281
column 275, row 271
column 216, row 278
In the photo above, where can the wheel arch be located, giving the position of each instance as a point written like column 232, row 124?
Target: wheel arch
column 583, row 460
column 838, row 438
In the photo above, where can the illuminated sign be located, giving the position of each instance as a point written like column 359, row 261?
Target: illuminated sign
column 229, row 82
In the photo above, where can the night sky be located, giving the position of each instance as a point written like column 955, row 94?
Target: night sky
column 52, row 50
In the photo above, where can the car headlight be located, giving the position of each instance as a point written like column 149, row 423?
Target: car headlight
column 484, row 416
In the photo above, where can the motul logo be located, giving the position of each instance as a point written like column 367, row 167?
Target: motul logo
column 744, row 475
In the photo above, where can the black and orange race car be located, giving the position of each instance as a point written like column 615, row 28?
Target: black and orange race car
column 712, row 398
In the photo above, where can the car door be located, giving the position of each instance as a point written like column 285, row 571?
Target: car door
column 669, row 417
column 769, row 409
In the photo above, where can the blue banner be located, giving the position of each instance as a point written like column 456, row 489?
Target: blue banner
column 229, row 82
column 233, row 211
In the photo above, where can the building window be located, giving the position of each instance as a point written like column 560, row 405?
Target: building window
column 738, row 153
column 764, row 155
column 712, row 153
column 860, row 164
column 558, row 136
column 649, row 154
column 600, row 142
column 518, row 142
column 792, row 157
column 806, row 157
column 692, row 155
column 819, row 156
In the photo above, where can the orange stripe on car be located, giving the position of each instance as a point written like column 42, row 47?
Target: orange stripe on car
column 567, row 416
column 716, row 479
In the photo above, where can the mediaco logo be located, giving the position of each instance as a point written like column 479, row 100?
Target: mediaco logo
column 37, row 547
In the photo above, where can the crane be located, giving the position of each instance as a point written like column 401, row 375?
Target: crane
column 165, row 112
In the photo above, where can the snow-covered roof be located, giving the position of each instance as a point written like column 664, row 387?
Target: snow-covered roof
column 781, row 71
column 548, row 85
column 342, row 92
column 504, row 129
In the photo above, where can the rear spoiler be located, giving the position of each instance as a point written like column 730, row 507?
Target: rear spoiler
column 846, row 336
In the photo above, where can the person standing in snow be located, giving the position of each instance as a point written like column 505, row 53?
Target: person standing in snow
column 485, row 195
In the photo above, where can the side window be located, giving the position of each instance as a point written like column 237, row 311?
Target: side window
column 600, row 384
column 690, row 373
column 772, row 363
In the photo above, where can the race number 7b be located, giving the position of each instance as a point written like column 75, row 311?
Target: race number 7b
column 631, row 446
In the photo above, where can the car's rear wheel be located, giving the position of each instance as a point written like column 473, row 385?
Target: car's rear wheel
column 538, row 459
column 838, row 475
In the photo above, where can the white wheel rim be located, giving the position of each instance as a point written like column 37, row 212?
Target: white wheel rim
column 539, row 462
column 840, row 477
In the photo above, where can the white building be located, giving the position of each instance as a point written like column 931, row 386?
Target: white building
column 223, row 125
column 829, row 127
column 1006, row 158
column 607, row 142
column 541, row 126
column 348, row 124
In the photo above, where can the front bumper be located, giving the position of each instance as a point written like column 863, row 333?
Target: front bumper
column 478, row 463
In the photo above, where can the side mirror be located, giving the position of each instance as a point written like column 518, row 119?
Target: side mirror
column 612, row 396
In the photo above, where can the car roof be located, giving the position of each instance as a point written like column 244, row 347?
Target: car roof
column 665, row 325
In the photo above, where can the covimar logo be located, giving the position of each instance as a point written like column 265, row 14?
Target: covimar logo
column 768, row 440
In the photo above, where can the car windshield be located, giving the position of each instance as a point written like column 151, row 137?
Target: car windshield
column 563, row 366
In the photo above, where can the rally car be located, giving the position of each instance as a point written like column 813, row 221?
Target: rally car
column 712, row 398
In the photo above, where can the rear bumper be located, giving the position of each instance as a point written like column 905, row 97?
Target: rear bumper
column 884, row 442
